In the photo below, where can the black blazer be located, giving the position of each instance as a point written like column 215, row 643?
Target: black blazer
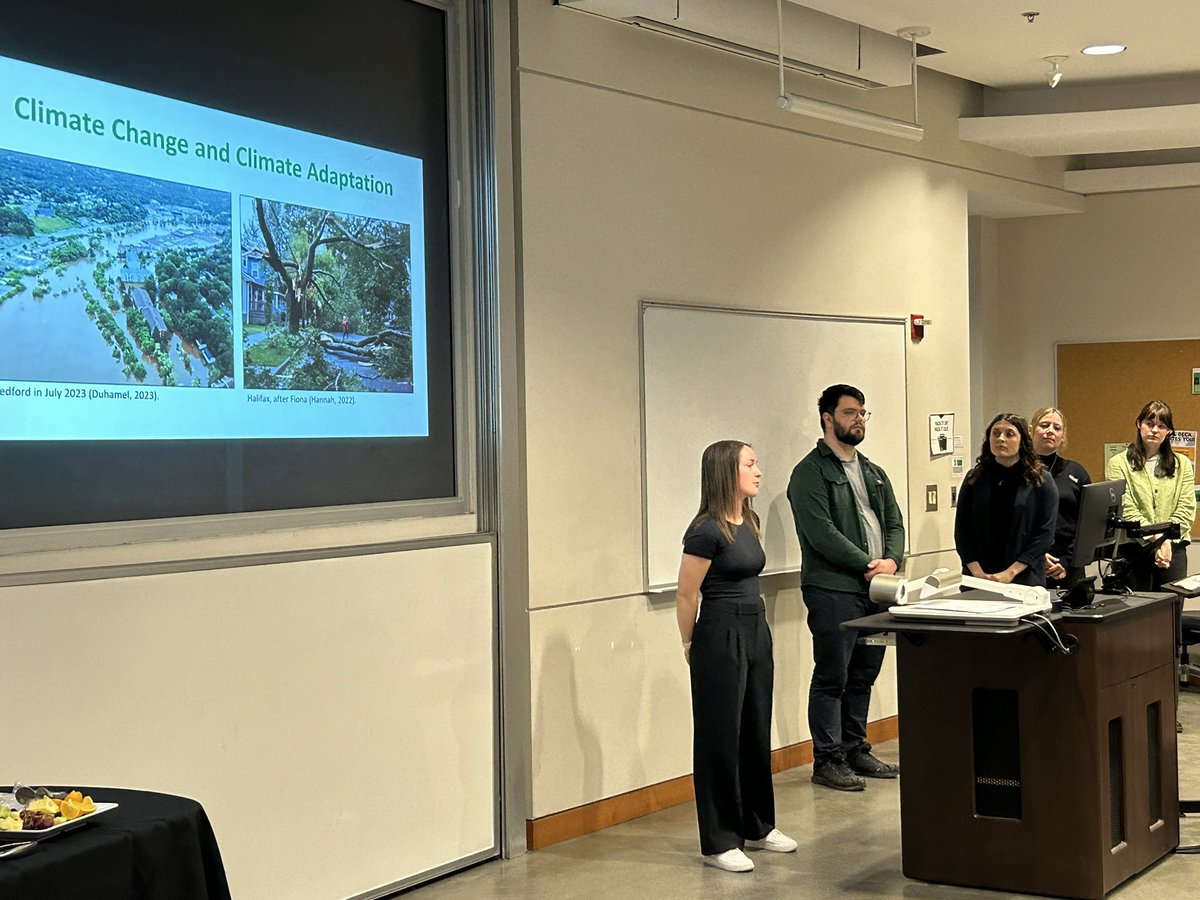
column 1029, row 538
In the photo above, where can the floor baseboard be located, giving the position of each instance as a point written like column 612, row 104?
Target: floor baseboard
column 571, row 823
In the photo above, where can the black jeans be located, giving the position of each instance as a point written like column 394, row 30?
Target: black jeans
column 733, row 677
column 843, row 673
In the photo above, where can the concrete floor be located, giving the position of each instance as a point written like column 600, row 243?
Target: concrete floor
column 849, row 846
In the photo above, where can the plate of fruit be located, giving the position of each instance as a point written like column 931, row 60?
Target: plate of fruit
column 46, row 815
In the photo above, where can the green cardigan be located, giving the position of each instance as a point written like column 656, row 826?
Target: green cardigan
column 833, row 544
column 1152, row 500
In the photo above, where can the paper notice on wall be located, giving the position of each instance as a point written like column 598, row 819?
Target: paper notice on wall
column 1185, row 442
column 1111, row 450
column 941, row 433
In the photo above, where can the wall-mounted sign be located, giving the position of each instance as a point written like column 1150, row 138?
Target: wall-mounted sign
column 941, row 433
column 1185, row 442
column 1111, row 450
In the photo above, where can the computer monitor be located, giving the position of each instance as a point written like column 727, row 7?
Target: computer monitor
column 1099, row 503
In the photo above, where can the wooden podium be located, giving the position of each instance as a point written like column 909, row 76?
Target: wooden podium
column 1028, row 770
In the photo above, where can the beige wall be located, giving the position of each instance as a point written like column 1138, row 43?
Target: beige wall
column 650, row 168
column 341, row 704
column 1127, row 269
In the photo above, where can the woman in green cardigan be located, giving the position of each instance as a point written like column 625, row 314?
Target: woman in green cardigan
column 1159, row 487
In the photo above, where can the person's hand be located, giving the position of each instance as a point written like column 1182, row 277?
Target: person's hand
column 881, row 567
column 1054, row 568
column 1162, row 556
column 1004, row 577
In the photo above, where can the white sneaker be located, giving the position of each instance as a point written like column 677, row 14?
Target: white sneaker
column 776, row 840
column 731, row 861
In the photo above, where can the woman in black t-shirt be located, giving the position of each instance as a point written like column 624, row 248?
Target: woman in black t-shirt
column 1007, row 508
column 732, row 672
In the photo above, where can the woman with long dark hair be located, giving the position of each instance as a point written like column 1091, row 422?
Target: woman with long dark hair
column 1049, row 432
column 1159, row 487
column 1007, row 508
column 729, row 649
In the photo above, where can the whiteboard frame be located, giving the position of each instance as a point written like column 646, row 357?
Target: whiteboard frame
column 646, row 304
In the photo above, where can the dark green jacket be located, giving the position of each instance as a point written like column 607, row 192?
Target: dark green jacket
column 833, row 543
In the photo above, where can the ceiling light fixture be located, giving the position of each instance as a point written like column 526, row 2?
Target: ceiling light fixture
column 1103, row 49
column 1056, row 74
column 845, row 115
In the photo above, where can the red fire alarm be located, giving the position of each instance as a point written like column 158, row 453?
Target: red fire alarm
column 917, row 323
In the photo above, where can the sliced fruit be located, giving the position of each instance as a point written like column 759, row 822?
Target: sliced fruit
column 43, row 804
column 69, row 809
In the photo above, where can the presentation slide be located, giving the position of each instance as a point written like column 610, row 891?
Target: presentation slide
column 174, row 272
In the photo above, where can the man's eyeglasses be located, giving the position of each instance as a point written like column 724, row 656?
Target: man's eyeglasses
column 852, row 414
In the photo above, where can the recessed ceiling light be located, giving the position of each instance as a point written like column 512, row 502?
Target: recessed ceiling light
column 1103, row 49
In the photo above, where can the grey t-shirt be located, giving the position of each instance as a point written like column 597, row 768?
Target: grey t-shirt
column 870, row 521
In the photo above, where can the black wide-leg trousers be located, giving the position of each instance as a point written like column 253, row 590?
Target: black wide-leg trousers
column 733, row 677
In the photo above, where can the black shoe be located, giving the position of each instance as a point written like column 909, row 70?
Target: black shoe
column 864, row 762
column 837, row 776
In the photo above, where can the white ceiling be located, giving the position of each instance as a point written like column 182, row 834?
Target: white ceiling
column 991, row 43
column 1131, row 118
column 1131, row 121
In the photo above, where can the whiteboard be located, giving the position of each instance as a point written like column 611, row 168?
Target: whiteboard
column 712, row 374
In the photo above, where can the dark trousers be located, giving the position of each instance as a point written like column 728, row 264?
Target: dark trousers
column 733, row 676
column 1144, row 575
column 843, row 673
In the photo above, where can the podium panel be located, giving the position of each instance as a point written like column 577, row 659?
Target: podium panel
column 1027, row 770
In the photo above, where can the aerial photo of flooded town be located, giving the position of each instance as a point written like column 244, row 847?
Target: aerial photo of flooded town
column 111, row 278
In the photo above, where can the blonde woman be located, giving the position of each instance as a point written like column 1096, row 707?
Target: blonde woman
column 729, row 650
column 1159, row 487
column 1049, row 432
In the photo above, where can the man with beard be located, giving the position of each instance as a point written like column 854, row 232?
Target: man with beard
column 850, row 530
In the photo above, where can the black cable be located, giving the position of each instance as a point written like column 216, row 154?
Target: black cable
column 1046, row 627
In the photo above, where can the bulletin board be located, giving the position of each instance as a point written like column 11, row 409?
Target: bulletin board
column 1102, row 387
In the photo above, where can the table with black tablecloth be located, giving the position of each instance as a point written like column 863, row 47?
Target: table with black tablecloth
column 151, row 847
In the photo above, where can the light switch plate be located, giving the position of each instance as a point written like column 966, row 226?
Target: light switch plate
column 931, row 498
